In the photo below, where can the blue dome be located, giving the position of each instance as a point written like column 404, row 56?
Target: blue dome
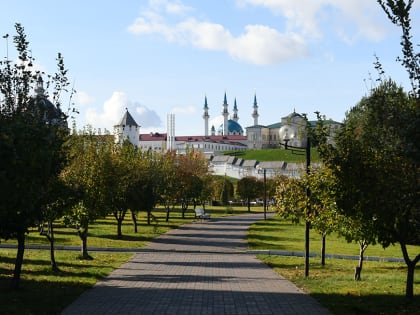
column 233, row 128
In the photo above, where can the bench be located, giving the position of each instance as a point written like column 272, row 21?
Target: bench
column 201, row 214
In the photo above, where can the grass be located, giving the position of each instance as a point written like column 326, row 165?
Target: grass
column 280, row 234
column 103, row 233
column 43, row 291
column 381, row 290
column 295, row 155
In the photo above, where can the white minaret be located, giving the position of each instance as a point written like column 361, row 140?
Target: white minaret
column 225, row 114
column 127, row 129
column 235, row 112
column 206, row 117
column 170, row 125
column 255, row 112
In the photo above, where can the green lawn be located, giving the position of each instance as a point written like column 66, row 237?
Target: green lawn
column 43, row 291
column 381, row 290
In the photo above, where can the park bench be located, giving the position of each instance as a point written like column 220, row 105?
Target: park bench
column 200, row 213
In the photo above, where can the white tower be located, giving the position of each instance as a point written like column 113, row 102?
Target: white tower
column 206, row 117
column 170, row 125
column 255, row 112
column 127, row 129
column 235, row 112
column 225, row 114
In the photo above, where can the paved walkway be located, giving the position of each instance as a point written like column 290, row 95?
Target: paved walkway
column 200, row 268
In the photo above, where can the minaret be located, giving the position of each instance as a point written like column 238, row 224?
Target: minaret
column 127, row 129
column 225, row 114
column 255, row 112
column 235, row 112
column 206, row 117
column 213, row 131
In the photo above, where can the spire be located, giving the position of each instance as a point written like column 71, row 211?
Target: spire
column 235, row 112
column 206, row 117
column 205, row 103
column 255, row 112
column 225, row 114
column 128, row 120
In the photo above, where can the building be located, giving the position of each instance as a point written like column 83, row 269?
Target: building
column 229, row 136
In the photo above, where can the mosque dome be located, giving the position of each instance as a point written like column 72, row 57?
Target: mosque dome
column 233, row 128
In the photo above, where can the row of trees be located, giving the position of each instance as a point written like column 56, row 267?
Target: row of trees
column 368, row 189
column 48, row 172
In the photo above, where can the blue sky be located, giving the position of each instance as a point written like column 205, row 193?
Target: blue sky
column 156, row 57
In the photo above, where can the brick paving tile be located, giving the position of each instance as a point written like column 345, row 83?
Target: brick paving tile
column 198, row 269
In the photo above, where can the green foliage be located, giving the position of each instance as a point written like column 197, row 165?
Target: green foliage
column 248, row 188
column 32, row 135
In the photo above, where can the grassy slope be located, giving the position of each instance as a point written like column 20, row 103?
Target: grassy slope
column 294, row 155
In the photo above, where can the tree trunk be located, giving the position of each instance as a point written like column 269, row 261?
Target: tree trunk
column 119, row 215
column 134, row 218
column 249, row 204
column 149, row 214
column 119, row 230
column 323, row 250
column 50, row 238
column 83, row 236
column 19, row 261
column 411, row 266
column 358, row 270
column 167, row 214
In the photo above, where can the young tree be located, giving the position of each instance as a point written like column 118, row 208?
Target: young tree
column 324, row 216
column 378, row 182
column 32, row 132
column 83, row 175
column 249, row 188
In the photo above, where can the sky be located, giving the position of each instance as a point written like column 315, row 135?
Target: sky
column 155, row 57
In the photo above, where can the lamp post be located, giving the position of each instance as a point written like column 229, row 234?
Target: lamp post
column 265, row 195
column 308, row 191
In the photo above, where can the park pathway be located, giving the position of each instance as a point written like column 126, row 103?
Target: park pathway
column 199, row 268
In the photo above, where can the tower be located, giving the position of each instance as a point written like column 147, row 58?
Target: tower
column 206, row 117
column 235, row 112
column 255, row 112
column 225, row 114
column 127, row 129
column 170, row 139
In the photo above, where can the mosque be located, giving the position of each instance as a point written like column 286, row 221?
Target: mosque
column 230, row 134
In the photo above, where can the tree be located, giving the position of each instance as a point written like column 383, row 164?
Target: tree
column 377, row 180
column 83, row 175
column 248, row 188
column 324, row 216
column 58, row 199
column 398, row 12
column 32, row 132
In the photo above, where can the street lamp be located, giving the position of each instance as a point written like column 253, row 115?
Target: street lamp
column 265, row 192
column 286, row 136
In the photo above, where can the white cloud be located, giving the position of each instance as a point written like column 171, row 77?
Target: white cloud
column 114, row 108
column 259, row 44
column 147, row 118
column 83, row 98
column 264, row 45
column 350, row 19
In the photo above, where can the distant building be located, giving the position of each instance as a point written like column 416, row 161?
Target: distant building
column 127, row 129
column 230, row 135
